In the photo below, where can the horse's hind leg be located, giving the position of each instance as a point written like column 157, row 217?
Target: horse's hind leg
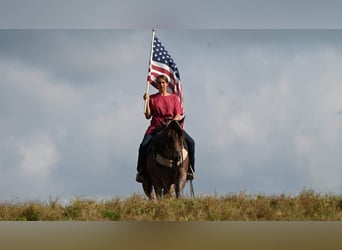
column 172, row 189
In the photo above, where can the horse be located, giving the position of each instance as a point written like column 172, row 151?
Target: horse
column 167, row 162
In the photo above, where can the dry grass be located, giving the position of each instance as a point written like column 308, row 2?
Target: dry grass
column 307, row 206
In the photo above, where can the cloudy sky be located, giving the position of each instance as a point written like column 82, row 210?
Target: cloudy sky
column 263, row 106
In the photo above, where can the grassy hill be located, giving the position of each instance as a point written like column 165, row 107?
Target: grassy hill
column 307, row 206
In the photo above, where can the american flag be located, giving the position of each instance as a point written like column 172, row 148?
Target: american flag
column 162, row 63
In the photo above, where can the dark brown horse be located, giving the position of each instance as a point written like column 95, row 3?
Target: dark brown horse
column 167, row 162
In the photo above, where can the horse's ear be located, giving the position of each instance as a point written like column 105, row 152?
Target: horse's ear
column 181, row 121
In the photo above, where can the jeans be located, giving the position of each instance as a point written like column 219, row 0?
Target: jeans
column 143, row 152
column 191, row 148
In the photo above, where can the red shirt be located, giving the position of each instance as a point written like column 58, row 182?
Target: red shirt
column 163, row 108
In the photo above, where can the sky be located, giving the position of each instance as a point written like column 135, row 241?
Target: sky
column 263, row 106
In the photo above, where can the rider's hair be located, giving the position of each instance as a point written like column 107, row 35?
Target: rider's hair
column 162, row 77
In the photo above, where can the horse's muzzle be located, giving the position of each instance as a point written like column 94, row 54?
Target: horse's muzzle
column 177, row 160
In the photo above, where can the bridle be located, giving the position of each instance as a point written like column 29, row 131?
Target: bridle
column 165, row 161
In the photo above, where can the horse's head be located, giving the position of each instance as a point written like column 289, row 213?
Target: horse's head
column 175, row 127
column 175, row 137
column 169, row 140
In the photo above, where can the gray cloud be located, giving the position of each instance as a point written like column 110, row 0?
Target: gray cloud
column 261, row 105
column 178, row 14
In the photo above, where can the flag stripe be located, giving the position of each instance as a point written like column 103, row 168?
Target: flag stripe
column 157, row 70
column 161, row 70
column 162, row 63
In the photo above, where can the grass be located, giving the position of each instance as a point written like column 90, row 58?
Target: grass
column 307, row 206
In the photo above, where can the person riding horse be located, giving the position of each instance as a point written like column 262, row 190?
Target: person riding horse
column 160, row 107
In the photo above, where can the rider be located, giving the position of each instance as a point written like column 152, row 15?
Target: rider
column 162, row 106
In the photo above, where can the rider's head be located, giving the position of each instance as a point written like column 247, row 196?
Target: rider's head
column 162, row 78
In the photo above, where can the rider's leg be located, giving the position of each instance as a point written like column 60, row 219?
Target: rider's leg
column 191, row 148
column 142, row 157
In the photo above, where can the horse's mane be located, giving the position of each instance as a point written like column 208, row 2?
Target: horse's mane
column 172, row 130
column 175, row 126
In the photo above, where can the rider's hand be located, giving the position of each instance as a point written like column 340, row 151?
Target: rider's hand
column 146, row 97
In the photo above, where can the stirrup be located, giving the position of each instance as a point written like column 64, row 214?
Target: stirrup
column 190, row 176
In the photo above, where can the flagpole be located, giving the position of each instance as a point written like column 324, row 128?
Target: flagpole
column 148, row 84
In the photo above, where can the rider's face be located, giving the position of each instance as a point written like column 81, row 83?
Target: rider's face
column 162, row 85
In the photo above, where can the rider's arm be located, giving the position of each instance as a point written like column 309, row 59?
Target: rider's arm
column 148, row 110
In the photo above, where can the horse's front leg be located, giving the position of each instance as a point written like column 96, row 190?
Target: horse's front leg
column 147, row 186
column 177, row 188
column 158, row 190
column 180, row 181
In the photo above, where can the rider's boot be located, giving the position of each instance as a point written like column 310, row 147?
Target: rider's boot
column 140, row 177
column 191, row 173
